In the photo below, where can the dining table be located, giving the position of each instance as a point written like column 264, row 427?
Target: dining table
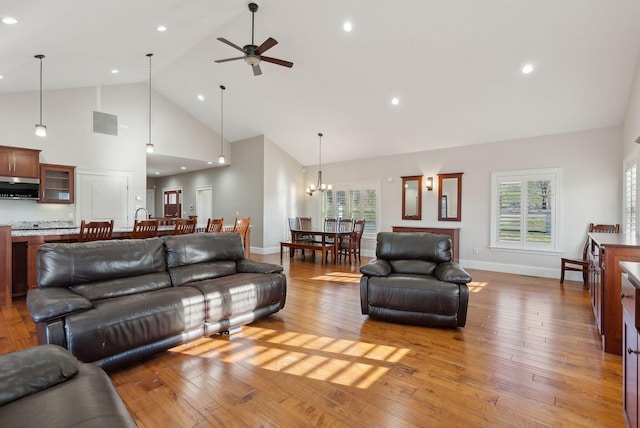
column 322, row 237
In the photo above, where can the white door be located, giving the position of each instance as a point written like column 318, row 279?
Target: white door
column 151, row 202
column 204, row 205
column 103, row 197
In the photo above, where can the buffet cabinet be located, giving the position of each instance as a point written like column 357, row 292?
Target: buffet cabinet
column 604, row 280
column 453, row 232
column 630, row 299
column 18, row 162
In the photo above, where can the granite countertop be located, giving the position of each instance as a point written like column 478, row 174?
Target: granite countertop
column 73, row 230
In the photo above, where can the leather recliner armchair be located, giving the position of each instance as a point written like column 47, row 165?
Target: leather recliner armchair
column 412, row 280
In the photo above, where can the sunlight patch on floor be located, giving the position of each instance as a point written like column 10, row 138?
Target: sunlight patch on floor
column 340, row 361
column 339, row 277
column 475, row 286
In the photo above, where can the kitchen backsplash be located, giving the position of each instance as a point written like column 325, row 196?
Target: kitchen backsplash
column 56, row 224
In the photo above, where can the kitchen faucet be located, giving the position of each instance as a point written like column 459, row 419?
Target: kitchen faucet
column 146, row 213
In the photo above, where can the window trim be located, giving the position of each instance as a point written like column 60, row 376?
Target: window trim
column 629, row 162
column 361, row 185
column 522, row 246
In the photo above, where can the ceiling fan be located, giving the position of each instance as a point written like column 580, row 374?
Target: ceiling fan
column 252, row 53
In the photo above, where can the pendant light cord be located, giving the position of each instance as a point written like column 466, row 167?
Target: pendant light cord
column 222, row 88
column 41, row 56
column 150, row 55
column 320, row 161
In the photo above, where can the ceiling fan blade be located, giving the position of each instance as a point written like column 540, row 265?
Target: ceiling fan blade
column 277, row 61
column 233, row 45
column 268, row 44
column 256, row 70
column 229, row 59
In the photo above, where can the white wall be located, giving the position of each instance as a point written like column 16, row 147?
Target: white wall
column 71, row 141
column 591, row 176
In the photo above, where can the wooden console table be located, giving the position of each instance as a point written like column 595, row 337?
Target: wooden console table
column 606, row 251
column 453, row 232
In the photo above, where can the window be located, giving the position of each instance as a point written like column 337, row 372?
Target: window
column 356, row 201
column 630, row 197
column 524, row 210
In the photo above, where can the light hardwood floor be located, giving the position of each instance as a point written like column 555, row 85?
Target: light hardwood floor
column 530, row 355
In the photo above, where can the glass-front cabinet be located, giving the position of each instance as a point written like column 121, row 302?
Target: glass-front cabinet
column 57, row 184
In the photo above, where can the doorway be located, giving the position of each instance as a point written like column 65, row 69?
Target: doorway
column 204, row 205
column 172, row 206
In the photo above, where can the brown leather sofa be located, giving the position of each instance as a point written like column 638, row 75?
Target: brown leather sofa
column 118, row 301
column 413, row 280
column 46, row 386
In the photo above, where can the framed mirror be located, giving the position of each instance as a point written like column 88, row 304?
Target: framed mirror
column 450, row 196
column 412, row 197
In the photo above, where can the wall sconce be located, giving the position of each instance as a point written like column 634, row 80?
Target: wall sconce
column 429, row 183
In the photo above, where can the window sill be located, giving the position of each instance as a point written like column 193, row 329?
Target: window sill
column 526, row 251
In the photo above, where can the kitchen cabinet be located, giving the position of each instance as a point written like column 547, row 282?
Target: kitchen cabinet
column 19, row 162
column 57, row 184
column 629, row 297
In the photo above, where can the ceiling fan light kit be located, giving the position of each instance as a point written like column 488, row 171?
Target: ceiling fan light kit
column 252, row 53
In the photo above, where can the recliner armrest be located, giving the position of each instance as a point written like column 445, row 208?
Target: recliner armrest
column 252, row 266
column 34, row 369
column 452, row 272
column 376, row 267
column 48, row 303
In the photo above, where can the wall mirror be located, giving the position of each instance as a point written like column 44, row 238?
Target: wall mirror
column 450, row 196
column 412, row 197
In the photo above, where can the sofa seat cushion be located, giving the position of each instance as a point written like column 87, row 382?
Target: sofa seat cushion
column 241, row 293
column 114, row 326
column 414, row 293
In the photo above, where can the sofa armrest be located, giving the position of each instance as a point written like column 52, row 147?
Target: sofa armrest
column 48, row 303
column 376, row 267
column 34, row 369
column 452, row 272
column 252, row 266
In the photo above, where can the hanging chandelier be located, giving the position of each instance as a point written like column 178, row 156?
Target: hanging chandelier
column 41, row 130
column 221, row 157
column 320, row 186
column 149, row 144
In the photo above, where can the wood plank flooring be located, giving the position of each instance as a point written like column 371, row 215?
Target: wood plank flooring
column 530, row 355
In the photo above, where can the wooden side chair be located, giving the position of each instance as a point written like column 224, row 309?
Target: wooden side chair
column 95, row 231
column 351, row 244
column 582, row 265
column 184, row 226
column 214, row 225
column 242, row 227
column 345, row 225
column 144, row 229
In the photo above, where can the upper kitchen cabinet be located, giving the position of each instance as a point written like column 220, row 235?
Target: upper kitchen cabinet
column 57, row 184
column 19, row 162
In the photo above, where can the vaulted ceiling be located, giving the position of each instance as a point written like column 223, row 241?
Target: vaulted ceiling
column 455, row 66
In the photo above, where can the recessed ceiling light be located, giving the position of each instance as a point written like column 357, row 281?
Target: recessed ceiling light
column 527, row 68
column 183, row 167
column 161, row 28
column 347, row 26
column 209, row 163
column 157, row 173
column 395, row 101
column 115, row 71
column 201, row 97
column 1, row 76
column 9, row 20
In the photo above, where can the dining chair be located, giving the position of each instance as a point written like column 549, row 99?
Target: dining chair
column 95, row 231
column 350, row 245
column 214, row 225
column 242, row 227
column 184, row 226
column 144, row 229
column 582, row 265
column 345, row 225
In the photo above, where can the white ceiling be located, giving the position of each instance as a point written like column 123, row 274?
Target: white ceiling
column 455, row 66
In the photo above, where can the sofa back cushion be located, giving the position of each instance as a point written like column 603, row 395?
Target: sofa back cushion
column 200, row 256
column 104, row 269
column 427, row 247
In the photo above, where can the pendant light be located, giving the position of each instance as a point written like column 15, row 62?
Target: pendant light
column 221, row 157
column 149, row 145
column 41, row 130
column 320, row 186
